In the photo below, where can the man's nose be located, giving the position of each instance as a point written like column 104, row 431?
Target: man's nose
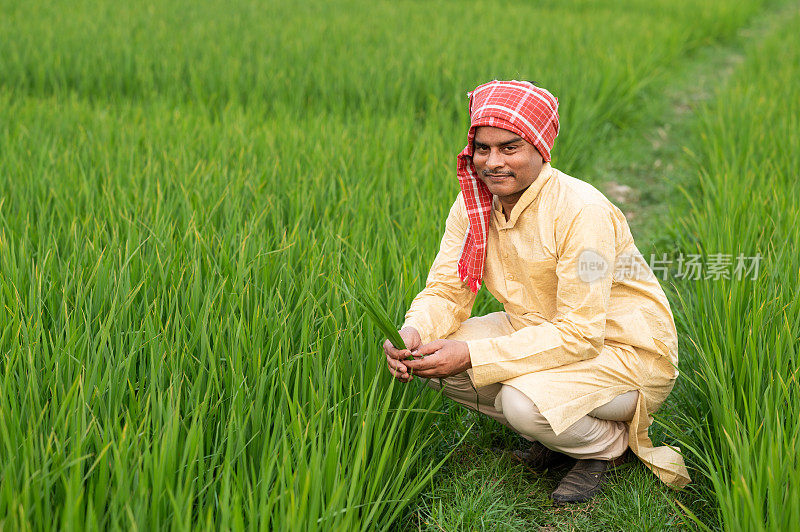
column 495, row 159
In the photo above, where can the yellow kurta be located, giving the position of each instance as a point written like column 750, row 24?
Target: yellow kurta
column 585, row 318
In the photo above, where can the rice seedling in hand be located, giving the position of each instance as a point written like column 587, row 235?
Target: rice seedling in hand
column 357, row 289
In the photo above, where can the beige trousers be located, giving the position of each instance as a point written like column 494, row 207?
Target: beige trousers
column 601, row 434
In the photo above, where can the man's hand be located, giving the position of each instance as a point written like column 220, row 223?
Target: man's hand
column 395, row 357
column 444, row 358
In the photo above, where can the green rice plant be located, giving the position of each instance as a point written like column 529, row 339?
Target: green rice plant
column 356, row 291
column 740, row 409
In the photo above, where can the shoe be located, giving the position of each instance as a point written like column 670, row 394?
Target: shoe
column 585, row 480
column 539, row 458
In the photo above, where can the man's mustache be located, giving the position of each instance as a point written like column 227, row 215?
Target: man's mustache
column 486, row 173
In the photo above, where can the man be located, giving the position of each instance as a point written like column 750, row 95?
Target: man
column 586, row 348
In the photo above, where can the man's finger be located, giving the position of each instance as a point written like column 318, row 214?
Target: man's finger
column 425, row 374
column 399, row 366
column 422, row 364
column 399, row 375
column 430, row 348
column 399, row 354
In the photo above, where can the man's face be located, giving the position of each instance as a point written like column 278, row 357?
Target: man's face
column 504, row 161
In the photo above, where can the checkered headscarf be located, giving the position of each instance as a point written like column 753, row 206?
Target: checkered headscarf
column 519, row 106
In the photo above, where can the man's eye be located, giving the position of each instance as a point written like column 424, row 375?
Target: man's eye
column 510, row 148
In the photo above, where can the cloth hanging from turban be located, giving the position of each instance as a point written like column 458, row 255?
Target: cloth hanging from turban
column 518, row 106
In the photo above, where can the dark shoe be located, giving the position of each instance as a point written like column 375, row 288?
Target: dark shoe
column 539, row 458
column 585, row 480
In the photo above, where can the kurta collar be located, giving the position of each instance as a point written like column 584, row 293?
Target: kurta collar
column 526, row 199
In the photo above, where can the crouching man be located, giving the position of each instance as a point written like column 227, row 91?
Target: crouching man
column 586, row 348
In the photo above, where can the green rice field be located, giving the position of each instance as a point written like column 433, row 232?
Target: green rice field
column 184, row 184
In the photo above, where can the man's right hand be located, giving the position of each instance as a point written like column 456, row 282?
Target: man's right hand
column 394, row 356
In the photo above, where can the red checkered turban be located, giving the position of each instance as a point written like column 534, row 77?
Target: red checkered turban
column 519, row 106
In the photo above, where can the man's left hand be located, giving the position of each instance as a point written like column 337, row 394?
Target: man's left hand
column 443, row 359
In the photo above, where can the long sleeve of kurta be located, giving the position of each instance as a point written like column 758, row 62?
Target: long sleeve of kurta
column 446, row 300
column 585, row 247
